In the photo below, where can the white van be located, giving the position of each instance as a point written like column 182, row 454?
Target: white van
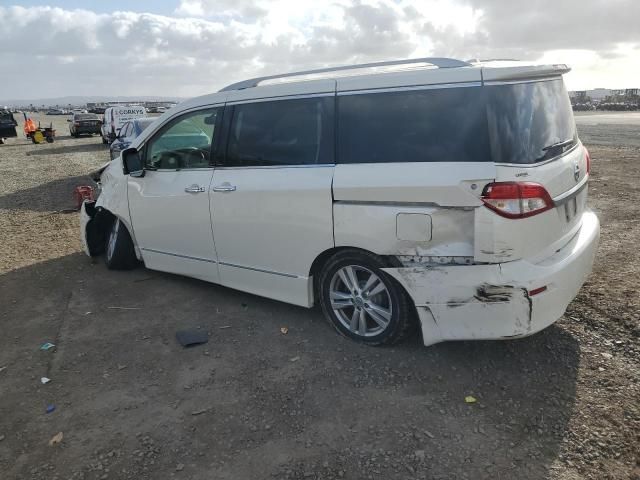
column 115, row 117
column 431, row 192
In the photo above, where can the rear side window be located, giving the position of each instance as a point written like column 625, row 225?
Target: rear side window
column 280, row 133
column 440, row 125
column 530, row 122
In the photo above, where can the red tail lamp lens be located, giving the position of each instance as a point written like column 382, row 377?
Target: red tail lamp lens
column 516, row 199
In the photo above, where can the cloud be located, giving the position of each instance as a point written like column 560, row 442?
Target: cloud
column 242, row 10
column 534, row 27
column 210, row 43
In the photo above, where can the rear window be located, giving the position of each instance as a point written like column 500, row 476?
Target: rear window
column 530, row 122
column 439, row 125
column 517, row 123
column 86, row 116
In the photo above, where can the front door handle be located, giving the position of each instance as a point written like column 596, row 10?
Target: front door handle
column 225, row 187
column 194, row 189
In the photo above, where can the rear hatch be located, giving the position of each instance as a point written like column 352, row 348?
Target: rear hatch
column 536, row 150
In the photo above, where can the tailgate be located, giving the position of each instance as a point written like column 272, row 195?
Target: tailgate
column 533, row 140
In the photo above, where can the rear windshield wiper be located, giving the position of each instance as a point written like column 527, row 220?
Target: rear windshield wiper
column 563, row 143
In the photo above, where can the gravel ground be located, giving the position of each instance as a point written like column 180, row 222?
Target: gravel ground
column 258, row 404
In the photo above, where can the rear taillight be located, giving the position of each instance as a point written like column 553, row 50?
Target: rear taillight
column 588, row 158
column 516, row 199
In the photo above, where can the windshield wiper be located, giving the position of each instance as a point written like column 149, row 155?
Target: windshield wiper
column 564, row 143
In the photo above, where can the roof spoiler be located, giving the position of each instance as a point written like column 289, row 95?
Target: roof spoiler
column 505, row 73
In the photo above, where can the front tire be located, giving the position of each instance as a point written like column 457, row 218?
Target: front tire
column 362, row 302
column 119, row 253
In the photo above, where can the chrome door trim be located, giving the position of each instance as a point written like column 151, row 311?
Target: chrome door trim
column 178, row 255
column 261, row 167
column 288, row 275
column 569, row 194
column 409, row 88
column 278, row 98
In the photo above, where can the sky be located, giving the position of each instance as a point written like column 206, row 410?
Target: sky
column 184, row 48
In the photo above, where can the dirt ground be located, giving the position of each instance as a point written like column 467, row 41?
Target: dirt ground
column 257, row 404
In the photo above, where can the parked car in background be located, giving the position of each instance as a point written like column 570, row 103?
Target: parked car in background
column 84, row 123
column 56, row 111
column 128, row 133
column 115, row 117
column 8, row 125
column 394, row 197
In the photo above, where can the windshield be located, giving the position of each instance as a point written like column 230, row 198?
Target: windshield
column 529, row 122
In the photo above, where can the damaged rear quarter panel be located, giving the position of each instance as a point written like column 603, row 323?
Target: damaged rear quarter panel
column 373, row 227
column 469, row 302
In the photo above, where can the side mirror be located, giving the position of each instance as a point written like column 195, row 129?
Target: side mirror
column 132, row 163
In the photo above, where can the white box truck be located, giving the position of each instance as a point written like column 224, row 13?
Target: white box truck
column 116, row 117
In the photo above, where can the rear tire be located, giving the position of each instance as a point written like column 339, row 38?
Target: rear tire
column 362, row 302
column 119, row 253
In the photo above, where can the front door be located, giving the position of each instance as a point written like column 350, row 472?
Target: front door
column 271, row 199
column 169, row 205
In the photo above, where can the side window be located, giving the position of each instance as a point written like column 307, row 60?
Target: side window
column 439, row 125
column 283, row 132
column 183, row 143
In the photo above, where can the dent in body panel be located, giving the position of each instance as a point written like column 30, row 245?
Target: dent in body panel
column 373, row 227
column 468, row 302
column 113, row 199
column 113, row 194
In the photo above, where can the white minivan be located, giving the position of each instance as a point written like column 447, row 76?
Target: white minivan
column 433, row 192
column 115, row 117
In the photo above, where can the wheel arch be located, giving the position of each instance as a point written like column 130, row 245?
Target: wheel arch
column 97, row 229
column 323, row 257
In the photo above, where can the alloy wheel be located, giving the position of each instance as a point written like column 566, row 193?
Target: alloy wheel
column 360, row 300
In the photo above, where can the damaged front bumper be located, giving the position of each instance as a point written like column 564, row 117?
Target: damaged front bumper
column 496, row 301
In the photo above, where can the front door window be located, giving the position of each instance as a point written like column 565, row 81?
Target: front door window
column 184, row 144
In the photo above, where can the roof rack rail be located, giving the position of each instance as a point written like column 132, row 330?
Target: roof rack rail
column 440, row 62
column 482, row 60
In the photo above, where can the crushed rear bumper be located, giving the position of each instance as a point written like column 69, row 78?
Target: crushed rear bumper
column 475, row 302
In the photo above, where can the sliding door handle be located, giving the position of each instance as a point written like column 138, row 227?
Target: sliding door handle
column 225, row 187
